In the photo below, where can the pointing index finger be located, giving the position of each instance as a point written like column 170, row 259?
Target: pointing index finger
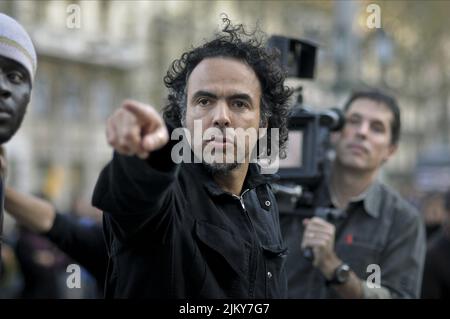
column 142, row 111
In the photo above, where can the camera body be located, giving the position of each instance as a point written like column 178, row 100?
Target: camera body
column 309, row 144
column 308, row 162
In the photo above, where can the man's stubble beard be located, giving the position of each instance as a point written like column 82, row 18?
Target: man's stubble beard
column 222, row 169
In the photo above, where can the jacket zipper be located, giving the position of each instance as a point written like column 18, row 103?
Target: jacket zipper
column 253, row 250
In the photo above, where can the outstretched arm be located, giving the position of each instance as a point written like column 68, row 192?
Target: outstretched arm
column 136, row 187
column 32, row 212
column 82, row 242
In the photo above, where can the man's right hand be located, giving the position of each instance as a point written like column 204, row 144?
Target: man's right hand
column 136, row 129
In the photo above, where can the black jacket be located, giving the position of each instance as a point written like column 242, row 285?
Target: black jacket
column 172, row 232
column 82, row 242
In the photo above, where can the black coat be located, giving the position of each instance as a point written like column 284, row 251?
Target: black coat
column 172, row 232
column 82, row 242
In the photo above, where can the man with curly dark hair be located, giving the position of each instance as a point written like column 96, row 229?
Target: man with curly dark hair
column 274, row 95
column 207, row 228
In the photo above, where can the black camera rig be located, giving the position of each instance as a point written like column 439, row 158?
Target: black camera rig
column 309, row 136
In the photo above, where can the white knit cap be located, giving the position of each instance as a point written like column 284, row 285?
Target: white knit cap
column 15, row 44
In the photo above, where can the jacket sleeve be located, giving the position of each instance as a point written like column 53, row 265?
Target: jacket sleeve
column 403, row 259
column 137, row 194
column 82, row 242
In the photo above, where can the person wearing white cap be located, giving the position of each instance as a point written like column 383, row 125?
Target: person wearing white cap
column 18, row 64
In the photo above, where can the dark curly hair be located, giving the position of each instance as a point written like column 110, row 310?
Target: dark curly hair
column 235, row 42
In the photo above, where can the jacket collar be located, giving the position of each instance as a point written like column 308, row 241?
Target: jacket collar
column 370, row 199
column 253, row 179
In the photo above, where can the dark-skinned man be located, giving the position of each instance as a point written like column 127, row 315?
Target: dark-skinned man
column 18, row 64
